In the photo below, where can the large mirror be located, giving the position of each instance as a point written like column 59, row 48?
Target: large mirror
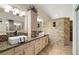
column 40, row 24
column 10, row 22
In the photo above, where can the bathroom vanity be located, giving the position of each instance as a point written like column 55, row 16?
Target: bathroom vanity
column 30, row 47
column 17, row 29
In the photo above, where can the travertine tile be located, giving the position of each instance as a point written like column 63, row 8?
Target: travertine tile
column 57, row 49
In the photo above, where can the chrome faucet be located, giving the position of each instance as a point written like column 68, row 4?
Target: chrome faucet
column 15, row 33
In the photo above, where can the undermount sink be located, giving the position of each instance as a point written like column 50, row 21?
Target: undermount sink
column 17, row 39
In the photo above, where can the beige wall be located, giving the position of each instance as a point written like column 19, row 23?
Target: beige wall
column 55, row 33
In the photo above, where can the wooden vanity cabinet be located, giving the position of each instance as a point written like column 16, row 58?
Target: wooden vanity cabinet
column 30, row 48
column 8, row 52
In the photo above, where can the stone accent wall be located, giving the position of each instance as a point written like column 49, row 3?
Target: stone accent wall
column 56, row 34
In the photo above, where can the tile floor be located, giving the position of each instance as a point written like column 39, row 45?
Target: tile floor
column 57, row 49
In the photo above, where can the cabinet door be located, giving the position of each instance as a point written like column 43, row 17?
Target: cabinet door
column 38, row 45
column 29, row 49
column 45, row 41
column 37, row 50
column 8, row 52
column 19, row 50
column 41, row 43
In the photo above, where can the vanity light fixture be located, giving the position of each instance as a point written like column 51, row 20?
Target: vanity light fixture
column 15, row 11
column 17, row 24
column 8, row 8
column 7, row 22
column 39, row 20
column 22, row 13
column 18, row 12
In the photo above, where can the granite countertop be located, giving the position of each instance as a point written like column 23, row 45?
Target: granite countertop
column 5, row 45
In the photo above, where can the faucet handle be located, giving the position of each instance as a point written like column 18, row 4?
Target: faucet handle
column 19, row 40
column 24, row 39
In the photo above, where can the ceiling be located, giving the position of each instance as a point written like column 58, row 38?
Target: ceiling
column 57, row 10
column 21, row 6
column 51, row 10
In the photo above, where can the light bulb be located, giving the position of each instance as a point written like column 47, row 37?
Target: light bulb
column 39, row 20
column 22, row 13
column 15, row 11
column 8, row 8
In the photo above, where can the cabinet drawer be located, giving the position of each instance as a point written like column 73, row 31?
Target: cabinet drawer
column 37, row 44
column 37, row 40
column 37, row 50
column 29, row 44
